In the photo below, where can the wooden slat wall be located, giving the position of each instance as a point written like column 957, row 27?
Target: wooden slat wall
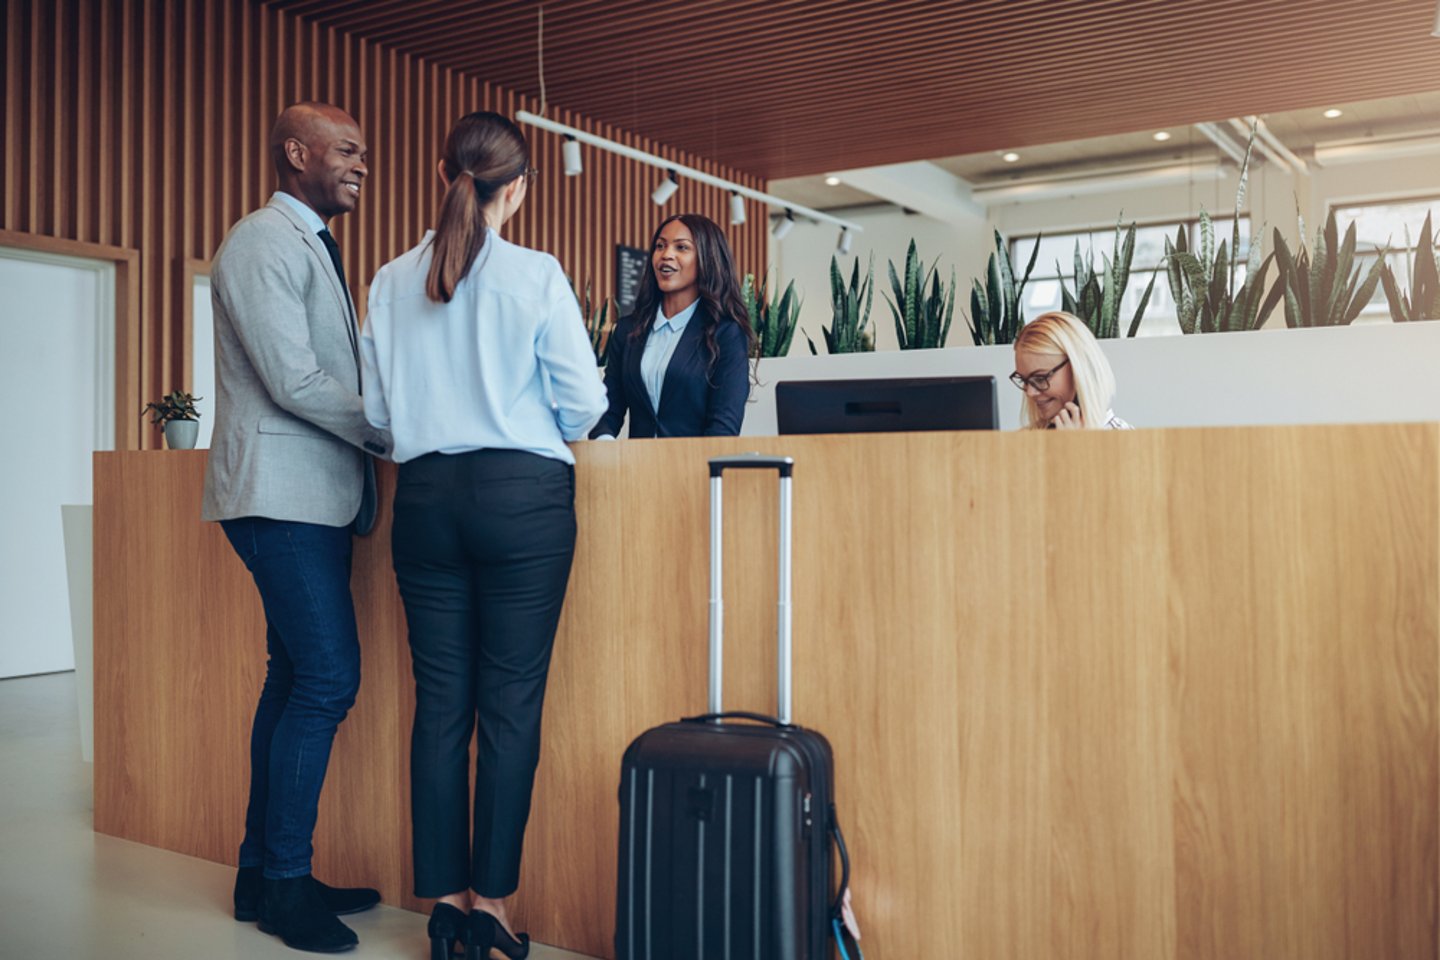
column 142, row 125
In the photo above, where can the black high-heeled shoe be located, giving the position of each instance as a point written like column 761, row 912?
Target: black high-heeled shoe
column 487, row 932
column 448, row 929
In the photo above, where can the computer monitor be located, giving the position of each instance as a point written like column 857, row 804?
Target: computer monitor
column 889, row 406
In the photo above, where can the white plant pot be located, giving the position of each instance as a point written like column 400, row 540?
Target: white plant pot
column 181, row 434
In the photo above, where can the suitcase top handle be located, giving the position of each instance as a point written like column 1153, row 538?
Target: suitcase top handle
column 785, row 466
column 751, row 461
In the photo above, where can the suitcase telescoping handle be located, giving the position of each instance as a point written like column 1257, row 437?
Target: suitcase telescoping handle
column 785, row 466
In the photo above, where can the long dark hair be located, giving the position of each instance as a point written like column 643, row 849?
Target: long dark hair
column 484, row 152
column 715, row 276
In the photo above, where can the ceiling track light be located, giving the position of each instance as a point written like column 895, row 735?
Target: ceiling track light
column 676, row 170
column 666, row 190
column 737, row 209
column 843, row 247
column 574, row 166
column 783, row 225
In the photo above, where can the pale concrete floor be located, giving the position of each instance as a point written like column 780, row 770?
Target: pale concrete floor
column 68, row 893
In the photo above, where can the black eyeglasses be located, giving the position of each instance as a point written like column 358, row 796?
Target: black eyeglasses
column 1040, row 381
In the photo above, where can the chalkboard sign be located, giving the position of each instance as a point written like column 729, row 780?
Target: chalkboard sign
column 629, row 272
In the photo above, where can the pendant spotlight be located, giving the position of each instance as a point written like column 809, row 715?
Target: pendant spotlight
column 667, row 188
column 571, row 152
column 783, row 225
column 843, row 247
column 737, row 209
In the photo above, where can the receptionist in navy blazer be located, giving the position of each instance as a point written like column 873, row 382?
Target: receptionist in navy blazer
column 680, row 364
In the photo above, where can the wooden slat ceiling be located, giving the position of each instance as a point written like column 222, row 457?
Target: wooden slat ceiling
column 784, row 88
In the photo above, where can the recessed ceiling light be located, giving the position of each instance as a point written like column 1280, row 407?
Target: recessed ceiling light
column 1332, row 113
column 832, row 181
column 1161, row 135
column 1010, row 157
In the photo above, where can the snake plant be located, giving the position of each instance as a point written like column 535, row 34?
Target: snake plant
column 1097, row 297
column 1423, row 300
column 1323, row 290
column 595, row 320
column 773, row 321
column 922, row 320
column 995, row 315
column 849, row 330
column 1204, row 286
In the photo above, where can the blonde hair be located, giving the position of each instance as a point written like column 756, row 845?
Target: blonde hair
column 1063, row 333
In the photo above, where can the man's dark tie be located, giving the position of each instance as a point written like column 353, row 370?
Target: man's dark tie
column 333, row 248
column 365, row 519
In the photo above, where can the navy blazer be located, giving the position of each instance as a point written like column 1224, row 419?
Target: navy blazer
column 695, row 401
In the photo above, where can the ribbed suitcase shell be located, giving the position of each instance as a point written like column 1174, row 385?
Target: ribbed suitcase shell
column 724, row 844
column 725, row 827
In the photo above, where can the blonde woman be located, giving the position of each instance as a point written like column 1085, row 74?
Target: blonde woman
column 1067, row 381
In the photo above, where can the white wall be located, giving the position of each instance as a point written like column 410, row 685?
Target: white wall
column 1364, row 374
column 202, row 360
column 57, row 362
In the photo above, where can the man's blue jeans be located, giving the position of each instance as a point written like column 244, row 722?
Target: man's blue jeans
column 303, row 573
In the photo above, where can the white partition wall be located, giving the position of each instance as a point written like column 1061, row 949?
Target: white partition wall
column 1372, row 373
column 57, row 363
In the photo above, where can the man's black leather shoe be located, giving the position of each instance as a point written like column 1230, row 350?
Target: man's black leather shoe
column 294, row 911
column 341, row 900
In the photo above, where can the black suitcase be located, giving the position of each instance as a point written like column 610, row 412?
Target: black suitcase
column 726, row 828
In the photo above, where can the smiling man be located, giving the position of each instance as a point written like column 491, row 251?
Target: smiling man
column 290, row 479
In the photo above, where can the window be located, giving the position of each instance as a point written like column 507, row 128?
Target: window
column 1057, row 260
column 1394, row 225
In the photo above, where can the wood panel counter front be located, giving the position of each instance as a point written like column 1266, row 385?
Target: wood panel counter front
column 1157, row 694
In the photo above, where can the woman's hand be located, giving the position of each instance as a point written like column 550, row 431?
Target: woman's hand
column 1068, row 418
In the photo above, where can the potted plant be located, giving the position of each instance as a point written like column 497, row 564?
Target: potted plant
column 773, row 321
column 1202, row 282
column 1097, row 297
column 849, row 330
column 922, row 319
column 176, row 414
column 1325, row 289
column 995, row 313
column 1422, row 302
column 597, row 326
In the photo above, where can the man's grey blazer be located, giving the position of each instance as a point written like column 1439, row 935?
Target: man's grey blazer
column 290, row 431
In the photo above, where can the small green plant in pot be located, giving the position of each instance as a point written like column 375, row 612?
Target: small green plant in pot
column 177, row 416
column 1423, row 300
column 922, row 318
column 995, row 314
column 849, row 330
column 1324, row 289
column 774, row 321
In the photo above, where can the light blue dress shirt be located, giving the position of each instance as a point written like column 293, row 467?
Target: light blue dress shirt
column 660, row 347
column 307, row 213
column 505, row 365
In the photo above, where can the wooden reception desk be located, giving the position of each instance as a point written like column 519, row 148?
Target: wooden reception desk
column 1162, row 694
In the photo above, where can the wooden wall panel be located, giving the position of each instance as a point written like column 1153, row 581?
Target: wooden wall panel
column 1159, row 694
column 142, row 125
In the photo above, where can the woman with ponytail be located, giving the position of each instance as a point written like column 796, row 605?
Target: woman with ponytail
column 680, row 363
column 476, row 360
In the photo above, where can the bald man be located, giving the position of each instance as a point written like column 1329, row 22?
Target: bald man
column 290, row 480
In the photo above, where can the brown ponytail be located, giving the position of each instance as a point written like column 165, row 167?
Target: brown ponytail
column 484, row 153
